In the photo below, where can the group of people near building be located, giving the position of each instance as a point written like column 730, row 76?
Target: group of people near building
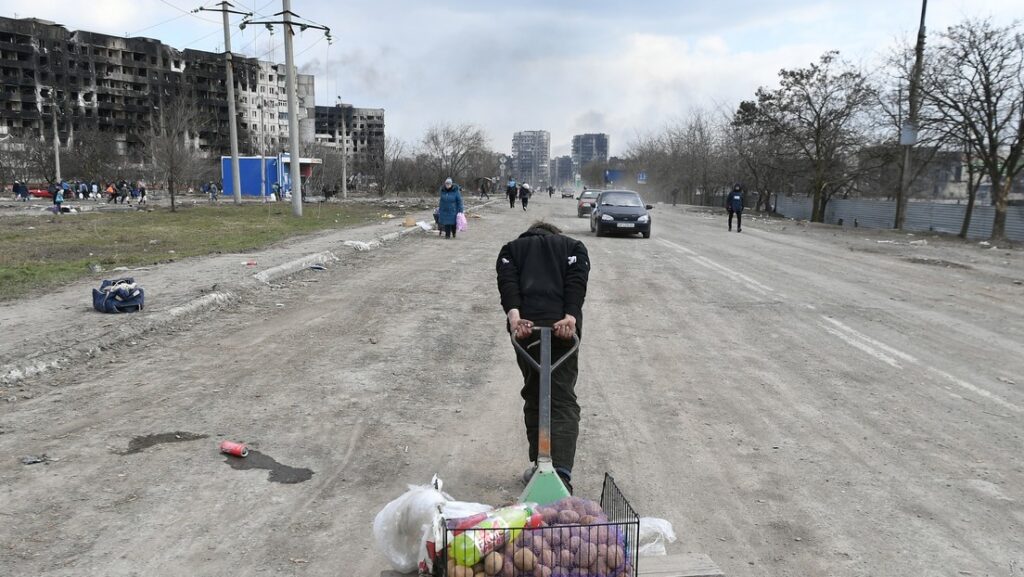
column 121, row 191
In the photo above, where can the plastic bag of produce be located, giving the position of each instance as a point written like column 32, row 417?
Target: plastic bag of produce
column 399, row 527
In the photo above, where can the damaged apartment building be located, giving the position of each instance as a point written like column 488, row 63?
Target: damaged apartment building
column 121, row 87
column 358, row 131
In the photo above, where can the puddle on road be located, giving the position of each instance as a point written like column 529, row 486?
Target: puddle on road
column 141, row 443
column 278, row 473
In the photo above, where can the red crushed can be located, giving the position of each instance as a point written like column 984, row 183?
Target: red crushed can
column 233, row 448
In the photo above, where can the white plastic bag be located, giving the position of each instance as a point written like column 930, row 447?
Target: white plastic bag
column 400, row 526
column 654, row 533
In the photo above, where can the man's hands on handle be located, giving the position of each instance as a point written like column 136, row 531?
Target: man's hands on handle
column 521, row 328
column 563, row 329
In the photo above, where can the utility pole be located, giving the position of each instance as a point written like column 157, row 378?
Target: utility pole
column 344, row 154
column 236, row 177
column 56, row 141
column 263, row 151
column 294, row 152
column 908, row 135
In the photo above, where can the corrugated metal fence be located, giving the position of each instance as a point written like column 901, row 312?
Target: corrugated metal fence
column 921, row 216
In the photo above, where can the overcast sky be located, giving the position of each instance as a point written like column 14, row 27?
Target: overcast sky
column 566, row 66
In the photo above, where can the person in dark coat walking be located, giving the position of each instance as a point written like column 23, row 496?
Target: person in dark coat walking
column 448, row 207
column 542, row 279
column 511, row 191
column 734, row 204
column 524, row 195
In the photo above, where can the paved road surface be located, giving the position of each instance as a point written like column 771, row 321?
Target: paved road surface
column 795, row 402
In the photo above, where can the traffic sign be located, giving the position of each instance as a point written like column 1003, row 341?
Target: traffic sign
column 641, row 177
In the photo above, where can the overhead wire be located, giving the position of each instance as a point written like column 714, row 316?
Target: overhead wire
column 186, row 12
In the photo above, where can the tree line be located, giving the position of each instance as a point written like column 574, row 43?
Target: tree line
column 831, row 129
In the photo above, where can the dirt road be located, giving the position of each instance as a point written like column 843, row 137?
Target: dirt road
column 795, row 400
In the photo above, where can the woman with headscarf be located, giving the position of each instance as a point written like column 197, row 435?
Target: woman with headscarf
column 448, row 207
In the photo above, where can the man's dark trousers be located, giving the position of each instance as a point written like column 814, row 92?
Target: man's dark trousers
column 565, row 411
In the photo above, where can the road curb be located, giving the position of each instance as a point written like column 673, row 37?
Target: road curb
column 44, row 362
column 14, row 372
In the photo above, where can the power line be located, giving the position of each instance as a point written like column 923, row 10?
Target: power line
column 186, row 12
column 168, row 21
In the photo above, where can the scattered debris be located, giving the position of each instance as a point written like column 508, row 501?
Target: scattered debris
column 317, row 267
column 298, row 560
column 154, row 241
column 921, row 242
column 279, row 305
column 425, row 225
column 249, row 262
column 233, row 448
column 985, row 243
column 373, row 340
column 1007, row 381
column 93, row 267
column 358, row 245
column 33, row 459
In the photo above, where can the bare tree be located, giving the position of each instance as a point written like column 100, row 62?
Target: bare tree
column 90, row 155
column 976, row 85
column 450, row 149
column 388, row 168
column 173, row 145
column 818, row 113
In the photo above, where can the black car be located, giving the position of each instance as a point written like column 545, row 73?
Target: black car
column 620, row 212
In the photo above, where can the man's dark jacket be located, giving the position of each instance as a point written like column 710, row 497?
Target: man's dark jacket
column 544, row 275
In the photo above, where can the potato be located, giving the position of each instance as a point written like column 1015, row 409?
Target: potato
column 588, row 520
column 547, row 557
column 478, row 567
column 593, row 508
column 565, row 558
column 616, row 556
column 542, row 571
column 480, row 574
column 451, row 566
column 524, row 559
column 538, row 544
column 627, row 571
column 586, row 556
column 574, row 543
column 602, row 550
column 508, row 569
column 550, row 515
column 493, row 562
column 568, row 517
column 461, row 571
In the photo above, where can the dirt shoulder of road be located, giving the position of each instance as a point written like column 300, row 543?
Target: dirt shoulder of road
column 56, row 328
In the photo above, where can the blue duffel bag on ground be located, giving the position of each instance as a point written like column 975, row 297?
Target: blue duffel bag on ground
column 118, row 296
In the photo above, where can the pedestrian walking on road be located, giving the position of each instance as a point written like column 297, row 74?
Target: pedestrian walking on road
column 524, row 195
column 58, row 200
column 512, row 191
column 449, row 206
column 542, row 279
column 734, row 204
column 551, row 191
column 483, row 189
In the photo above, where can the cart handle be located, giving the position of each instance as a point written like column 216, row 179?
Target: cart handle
column 523, row 351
